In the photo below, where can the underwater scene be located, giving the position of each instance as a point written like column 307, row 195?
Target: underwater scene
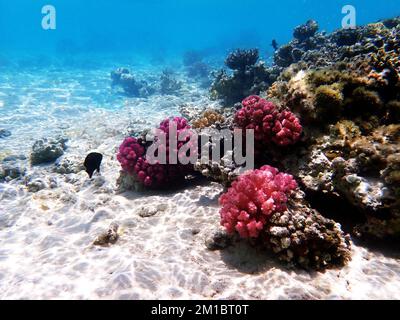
column 199, row 149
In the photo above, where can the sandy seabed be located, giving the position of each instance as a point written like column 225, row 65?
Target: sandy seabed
column 46, row 237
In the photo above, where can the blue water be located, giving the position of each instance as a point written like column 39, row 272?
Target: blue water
column 169, row 27
column 52, row 79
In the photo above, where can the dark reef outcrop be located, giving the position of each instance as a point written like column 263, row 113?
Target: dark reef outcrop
column 348, row 95
column 168, row 83
column 317, row 49
column 249, row 76
column 123, row 78
column 47, row 150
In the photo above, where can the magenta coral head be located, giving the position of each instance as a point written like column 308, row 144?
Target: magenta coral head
column 253, row 198
column 132, row 157
column 181, row 123
column 287, row 129
column 269, row 125
column 130, row 151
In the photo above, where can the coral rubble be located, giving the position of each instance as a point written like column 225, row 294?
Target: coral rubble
column 108, row 237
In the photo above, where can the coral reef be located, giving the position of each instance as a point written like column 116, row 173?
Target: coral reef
column 168, row 84
column 303, row 237
column 305, row 31
column 207, row 119
column 132, row 87
column 269, row 124
column 273, row 127
column 132, row 157
column 253, row 198
column 318, row 49
column 249, row 77
column 47, row 150
column 224, row 169
column 242, row 59
column 266, row 205
column 350, row 110
column 70, row 164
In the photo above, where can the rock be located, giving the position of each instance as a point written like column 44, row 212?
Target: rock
column 218, row 239
column 12, row 169
column 4, row 133
column 69, row 164
column 108, row 237
column 117, row 74
column 132, row 87
column 195, row 231
column 14, row 158
column 127, row 182
column 47, row 150
column 36, row 185
column 145, row 212
column 168, row 84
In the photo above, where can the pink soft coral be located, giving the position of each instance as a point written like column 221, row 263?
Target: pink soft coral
column 287, row 129
column 253, row 198
column 130, row 151
column 282, row 128
column 132, row 157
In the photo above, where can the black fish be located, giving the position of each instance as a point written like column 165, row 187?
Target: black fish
column 274, row 44
column 92, row 163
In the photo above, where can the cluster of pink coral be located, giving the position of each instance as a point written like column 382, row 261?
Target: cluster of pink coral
column 181, row 124
column 253, row 198
column 133, row 160
column 130, row 151
column 282, row 128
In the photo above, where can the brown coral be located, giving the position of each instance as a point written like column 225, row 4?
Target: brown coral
column 207, row 119
column 303, row 237
column 352, row 112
